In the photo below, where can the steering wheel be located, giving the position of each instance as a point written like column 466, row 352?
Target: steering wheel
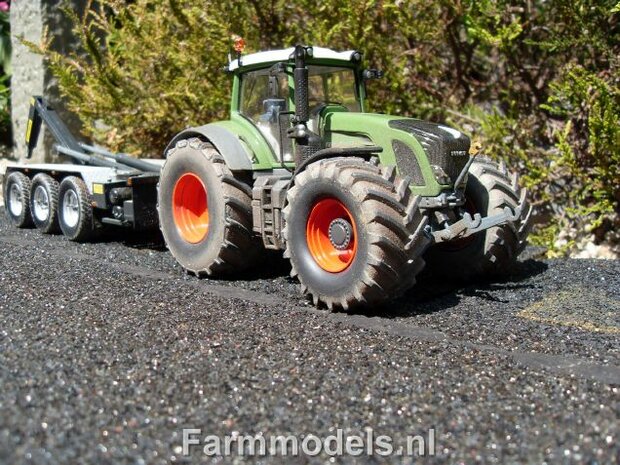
column 317, row 109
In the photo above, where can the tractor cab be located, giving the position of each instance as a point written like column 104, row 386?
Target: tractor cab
column 264, row 94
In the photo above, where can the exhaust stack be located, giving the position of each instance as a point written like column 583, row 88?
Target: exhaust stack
column 307, row 143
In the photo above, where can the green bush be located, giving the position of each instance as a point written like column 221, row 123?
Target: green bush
column 588, row 149
column 145, row 71
column 536, row 81
column 5, row 75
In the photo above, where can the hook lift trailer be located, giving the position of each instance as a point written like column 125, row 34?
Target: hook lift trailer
column 99, row 188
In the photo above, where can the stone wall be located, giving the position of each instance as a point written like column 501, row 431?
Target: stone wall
column 30, row 76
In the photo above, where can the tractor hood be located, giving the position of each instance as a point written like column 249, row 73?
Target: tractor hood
column 432, row 155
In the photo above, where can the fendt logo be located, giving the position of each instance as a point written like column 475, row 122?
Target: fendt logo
column 458, row 153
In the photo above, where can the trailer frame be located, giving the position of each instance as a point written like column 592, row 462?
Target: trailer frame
column 122, row 189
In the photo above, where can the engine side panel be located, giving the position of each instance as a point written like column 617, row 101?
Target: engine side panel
column 343, row 128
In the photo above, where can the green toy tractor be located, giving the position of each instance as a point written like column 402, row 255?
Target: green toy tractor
column 359, row 202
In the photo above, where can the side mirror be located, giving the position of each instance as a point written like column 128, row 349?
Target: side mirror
column 369, row 74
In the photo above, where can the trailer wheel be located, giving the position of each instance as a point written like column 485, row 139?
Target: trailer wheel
column 205, row 211
column 493, row 252
column 354, row 233
column 17, row 199
column 44, row 203
column 75, row 214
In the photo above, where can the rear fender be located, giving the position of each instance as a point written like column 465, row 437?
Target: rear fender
column 225, row 142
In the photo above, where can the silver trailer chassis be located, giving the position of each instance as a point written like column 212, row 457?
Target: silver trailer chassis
column 123, row 189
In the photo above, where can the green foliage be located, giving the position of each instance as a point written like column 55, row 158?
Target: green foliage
column 5, row 43
column 589, row 145
column 5, row 76
column 146, row 70
column 537, row 81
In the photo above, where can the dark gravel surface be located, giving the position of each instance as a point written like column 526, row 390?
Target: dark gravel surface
column 107, row 351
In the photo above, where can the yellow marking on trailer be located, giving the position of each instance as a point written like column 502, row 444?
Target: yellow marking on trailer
column 28, row 131
column 97, row 188
column 32, row 101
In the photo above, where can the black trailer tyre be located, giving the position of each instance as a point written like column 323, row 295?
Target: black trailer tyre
column 75, row 214
column 17, row 199
column 493, row 252
column 44, row 203
column 205, row 211
column 354, row 233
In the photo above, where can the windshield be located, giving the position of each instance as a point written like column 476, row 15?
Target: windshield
column 329, row 84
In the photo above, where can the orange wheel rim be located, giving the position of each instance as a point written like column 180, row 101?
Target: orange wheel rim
column 331, row 235
column 190, row 208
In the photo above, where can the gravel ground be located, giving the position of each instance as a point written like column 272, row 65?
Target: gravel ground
column 107, row 351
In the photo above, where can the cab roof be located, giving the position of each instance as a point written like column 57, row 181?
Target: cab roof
column 274, row 56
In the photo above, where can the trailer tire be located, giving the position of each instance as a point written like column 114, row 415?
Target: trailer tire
column 205, row 211
column 17, row 199
column 75, row 211
column 354, row 233
column 44, row 203
column 493, row 252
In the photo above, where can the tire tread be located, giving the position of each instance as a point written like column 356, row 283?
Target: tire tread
column 239, row 249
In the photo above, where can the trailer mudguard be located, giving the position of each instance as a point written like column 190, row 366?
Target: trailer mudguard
column 226, row 143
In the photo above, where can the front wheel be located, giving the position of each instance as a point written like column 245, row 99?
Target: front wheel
column 493, row 252
column 354, row 233
column 75, row 211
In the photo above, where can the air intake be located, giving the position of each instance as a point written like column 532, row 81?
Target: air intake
column 407, row 163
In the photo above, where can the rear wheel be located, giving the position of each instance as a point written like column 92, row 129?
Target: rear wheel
column 17, row 199
column 354, row 233
column 493, row 252
column 205, row 211
column 44, row 203
column 75, row 213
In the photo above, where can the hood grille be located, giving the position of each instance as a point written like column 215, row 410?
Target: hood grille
column 444, row 146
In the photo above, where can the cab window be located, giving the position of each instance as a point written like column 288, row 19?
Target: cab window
column 263, row 97
column 258, row 86
column 329, row 84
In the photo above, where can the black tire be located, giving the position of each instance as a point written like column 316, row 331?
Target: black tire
column 75, row 211
column 226, row 245
column 493, row 252
column 17, row 199
column 44, row 203
column 387, row 226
